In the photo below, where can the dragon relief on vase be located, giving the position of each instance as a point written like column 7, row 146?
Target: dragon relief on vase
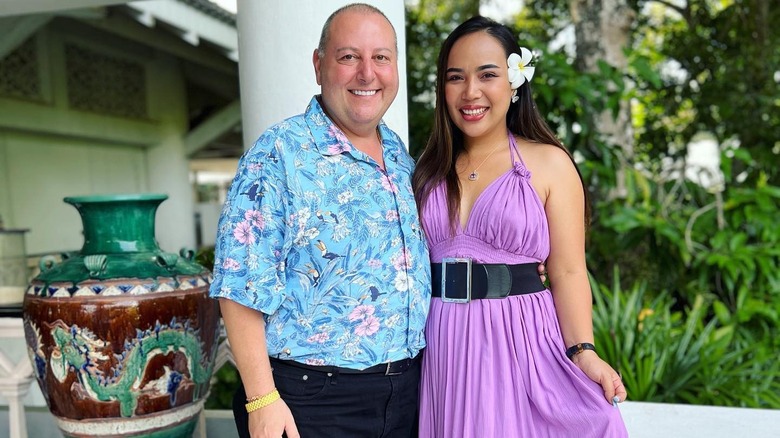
column 79, row 350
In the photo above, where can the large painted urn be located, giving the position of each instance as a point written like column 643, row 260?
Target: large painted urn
column 122, row 335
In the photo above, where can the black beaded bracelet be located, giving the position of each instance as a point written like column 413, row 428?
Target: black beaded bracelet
column 579, row 348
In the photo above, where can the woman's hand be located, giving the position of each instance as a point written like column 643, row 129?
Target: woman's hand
column 271, row 421
column 603, row 374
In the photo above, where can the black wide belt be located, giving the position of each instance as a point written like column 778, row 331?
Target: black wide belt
column 388, row 368
column 462, row 281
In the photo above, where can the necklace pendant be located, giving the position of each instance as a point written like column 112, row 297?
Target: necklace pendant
column 473, row 176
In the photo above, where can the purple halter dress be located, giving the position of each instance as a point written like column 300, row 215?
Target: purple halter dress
column 497, row 367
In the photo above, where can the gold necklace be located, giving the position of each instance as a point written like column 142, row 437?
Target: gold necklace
column 474, row 175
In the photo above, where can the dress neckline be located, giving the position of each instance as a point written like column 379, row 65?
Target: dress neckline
column 518, row 167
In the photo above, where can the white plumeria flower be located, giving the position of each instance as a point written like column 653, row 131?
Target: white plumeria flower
column 519, row 71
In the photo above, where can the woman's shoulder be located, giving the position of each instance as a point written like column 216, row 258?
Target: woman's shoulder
column 543, row 156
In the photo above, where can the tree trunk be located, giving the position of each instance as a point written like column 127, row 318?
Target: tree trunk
column 602, row 29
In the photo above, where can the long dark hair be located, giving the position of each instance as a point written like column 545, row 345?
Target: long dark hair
column 437, row 162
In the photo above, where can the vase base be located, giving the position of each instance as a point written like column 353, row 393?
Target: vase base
column 179, row 422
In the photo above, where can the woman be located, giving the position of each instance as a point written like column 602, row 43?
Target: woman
column 498, row 194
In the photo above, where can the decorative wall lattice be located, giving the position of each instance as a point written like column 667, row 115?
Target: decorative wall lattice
column 19, row 76
column 105, row 84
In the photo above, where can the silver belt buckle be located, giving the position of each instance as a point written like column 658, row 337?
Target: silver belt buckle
column 455, row 261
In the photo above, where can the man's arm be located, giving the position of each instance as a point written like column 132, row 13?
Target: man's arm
column 246, row 333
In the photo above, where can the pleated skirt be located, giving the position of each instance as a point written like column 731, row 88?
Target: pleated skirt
column 497, row 368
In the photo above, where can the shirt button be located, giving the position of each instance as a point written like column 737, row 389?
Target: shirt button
column 287, row 351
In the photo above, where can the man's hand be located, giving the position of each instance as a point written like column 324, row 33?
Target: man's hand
column 542, row 269
column 271, row 421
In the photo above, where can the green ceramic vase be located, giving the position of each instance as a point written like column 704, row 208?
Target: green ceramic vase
column 122, row 335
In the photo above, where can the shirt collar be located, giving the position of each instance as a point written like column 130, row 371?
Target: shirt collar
column 330, row 140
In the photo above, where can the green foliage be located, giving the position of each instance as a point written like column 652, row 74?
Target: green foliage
column 224, row 385
column 424, row 36
column 683, row 238
column 205, row 257
column 720, row 61
column 682, row 356
column 697, row 318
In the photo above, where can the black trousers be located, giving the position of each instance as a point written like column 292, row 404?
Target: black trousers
column 343, row 405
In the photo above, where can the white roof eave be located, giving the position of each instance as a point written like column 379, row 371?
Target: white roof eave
column 192, row 24
column 23, row 7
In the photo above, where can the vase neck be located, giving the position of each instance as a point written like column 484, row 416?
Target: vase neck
column 118, row 225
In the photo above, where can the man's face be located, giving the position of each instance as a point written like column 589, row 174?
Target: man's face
column 358, row 73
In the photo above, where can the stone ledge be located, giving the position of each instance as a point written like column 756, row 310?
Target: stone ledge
column 644, row 420
column 664, row 420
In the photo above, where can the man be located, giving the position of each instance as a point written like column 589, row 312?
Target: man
column 321, row 266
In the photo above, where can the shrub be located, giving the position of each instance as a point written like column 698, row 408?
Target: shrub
column 683, row 356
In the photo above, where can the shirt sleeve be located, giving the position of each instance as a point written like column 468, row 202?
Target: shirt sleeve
column 250, row 250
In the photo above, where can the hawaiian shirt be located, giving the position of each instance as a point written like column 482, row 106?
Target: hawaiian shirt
column 327, row 244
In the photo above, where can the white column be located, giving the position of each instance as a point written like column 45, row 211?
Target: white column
column 167, row 166
column 275, row 42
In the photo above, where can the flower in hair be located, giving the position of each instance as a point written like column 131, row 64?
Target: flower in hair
column 519, row 69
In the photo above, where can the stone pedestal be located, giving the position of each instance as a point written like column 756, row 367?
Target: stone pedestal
column 16, row 375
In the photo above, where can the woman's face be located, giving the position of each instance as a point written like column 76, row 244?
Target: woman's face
column 476, row 86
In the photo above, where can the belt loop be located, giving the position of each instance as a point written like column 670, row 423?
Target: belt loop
column 387, row 370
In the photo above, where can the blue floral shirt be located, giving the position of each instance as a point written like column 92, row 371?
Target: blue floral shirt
column 327, row 245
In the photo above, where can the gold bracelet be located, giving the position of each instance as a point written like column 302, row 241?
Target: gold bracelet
column 259, row 402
